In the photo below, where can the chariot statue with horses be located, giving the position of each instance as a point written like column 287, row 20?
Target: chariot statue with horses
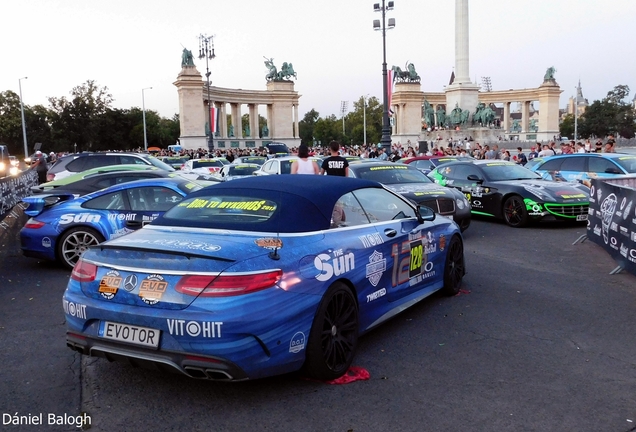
column 407, row 75
column 286, row 72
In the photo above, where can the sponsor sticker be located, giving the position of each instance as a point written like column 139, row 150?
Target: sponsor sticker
column 46, row 242
column 297, row 343
column 109, row 284
column 152, row 288
column 269, row 243
column 376, row 267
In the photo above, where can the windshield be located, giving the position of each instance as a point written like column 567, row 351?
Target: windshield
column 242, row 170
column 207, row 163
column 498, row 171
column 391, row 174
column 627, row 162
column 162, row 165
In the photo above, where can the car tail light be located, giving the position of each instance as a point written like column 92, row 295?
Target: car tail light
column 227, row 285
column 34, row 224
column 84, row 271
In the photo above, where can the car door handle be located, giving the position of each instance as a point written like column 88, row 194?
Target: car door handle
column 390, row 232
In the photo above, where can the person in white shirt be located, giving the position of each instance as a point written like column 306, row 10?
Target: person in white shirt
column 547, row 151
column 304, row 165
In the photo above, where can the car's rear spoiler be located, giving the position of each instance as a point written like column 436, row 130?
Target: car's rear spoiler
column 37, row 204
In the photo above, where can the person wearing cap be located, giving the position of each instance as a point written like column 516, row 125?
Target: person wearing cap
column 533, row 153
column 40, row 166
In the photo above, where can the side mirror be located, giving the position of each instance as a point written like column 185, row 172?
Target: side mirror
column 426, row 214
column 475, row 178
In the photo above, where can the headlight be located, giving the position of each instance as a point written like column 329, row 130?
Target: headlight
column 14, row 171
column 3, row 166
column 461, row 202
column 538, row 193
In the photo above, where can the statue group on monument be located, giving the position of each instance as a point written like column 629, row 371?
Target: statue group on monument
column 407, row 75
column 286, row 71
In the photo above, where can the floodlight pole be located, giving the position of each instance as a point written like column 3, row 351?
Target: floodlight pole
column 143, row 109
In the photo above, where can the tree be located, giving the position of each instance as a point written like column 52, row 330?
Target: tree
column 75, row 121
column 610, row 115
column 306, row 127
column 566, row 128
column 11, row 121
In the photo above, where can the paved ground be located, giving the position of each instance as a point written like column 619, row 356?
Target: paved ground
column 541, row 340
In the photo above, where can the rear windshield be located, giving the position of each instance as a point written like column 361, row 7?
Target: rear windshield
column 214, row 210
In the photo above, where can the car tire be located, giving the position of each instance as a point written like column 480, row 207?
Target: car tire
column 514, row 212
column 464, row 224
column 454, row 267
column 74, row 242
column 333, row 338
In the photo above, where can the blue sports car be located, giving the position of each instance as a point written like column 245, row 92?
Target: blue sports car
column 261, row 276
column 61, row 226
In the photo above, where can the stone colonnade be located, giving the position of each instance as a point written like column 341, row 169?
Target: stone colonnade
column 407, row 101
column 281, row 103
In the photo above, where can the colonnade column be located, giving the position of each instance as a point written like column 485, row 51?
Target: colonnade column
column 506, row 116
column 253, row 109
column 296, row 132
column 223, row 120
column 525, row 114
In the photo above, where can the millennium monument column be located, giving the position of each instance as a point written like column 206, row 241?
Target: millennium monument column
column 462, row 92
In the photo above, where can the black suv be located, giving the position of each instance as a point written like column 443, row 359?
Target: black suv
column 276, row 149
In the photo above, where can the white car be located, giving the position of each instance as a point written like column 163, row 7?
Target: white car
column 281, row 165
column 234, row 171
column 205, row 166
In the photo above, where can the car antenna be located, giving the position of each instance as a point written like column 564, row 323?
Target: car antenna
column 274, row 254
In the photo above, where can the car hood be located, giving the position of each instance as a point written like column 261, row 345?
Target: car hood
column 558, row 191
column 144, row 267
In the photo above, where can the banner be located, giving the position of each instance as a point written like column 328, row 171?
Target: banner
column 612, row 218
column 213, row 118
column 13, row 189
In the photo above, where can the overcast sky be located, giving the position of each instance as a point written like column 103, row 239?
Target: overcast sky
column 129, row 45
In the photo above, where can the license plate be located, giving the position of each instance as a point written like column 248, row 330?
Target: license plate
column 143, row 336
column 581, row 217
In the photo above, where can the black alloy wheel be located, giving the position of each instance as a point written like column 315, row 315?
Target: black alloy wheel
column 455, row 268
column 514, row 212
column 333, row 339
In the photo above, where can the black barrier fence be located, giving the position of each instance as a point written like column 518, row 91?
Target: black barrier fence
column 13, row 189
column 612, row 218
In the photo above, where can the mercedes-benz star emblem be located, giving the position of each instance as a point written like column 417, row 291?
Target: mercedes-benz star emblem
column 130, row 283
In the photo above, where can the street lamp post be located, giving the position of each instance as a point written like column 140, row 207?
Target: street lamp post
column 206, row 49
column 381, row 25
column 24, row 137
column 143, row 110
column 576, row 112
